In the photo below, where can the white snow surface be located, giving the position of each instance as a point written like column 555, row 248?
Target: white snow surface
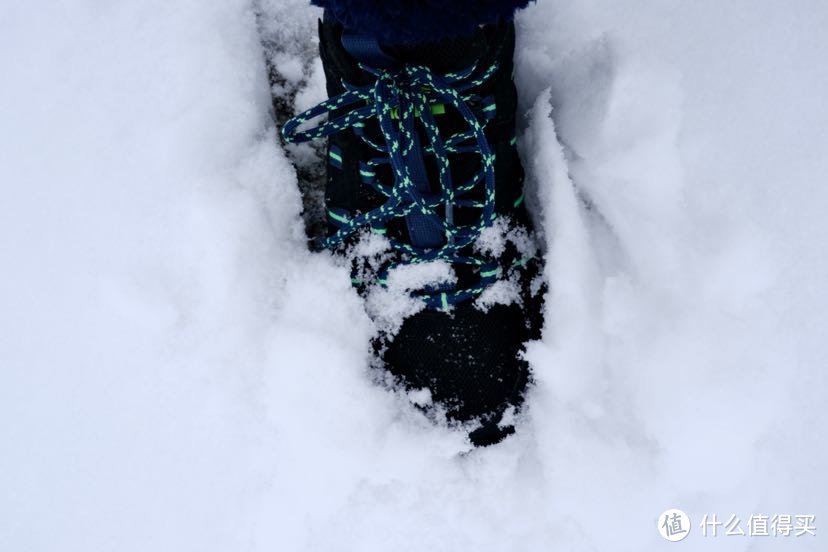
column 178, row 372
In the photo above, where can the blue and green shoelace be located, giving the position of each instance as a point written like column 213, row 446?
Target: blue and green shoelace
column 400, row 100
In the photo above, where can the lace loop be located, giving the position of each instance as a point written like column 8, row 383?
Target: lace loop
column 402, row 101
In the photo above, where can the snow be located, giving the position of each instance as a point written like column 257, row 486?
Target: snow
column 389, row 306
column 178, row 372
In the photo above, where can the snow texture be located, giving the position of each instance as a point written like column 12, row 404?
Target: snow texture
column 179, row 373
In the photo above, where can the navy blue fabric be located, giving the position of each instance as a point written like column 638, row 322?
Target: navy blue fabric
column 422, row 231
column 367, row 50
column 417, row 21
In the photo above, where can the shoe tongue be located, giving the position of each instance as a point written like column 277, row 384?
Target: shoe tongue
column 443, row 56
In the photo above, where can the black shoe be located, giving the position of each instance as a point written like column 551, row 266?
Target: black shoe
column 425, row 197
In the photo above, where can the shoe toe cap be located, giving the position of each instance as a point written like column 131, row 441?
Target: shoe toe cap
column 470, row 360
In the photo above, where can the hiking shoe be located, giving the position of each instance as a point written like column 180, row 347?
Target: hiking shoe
column 425, row 200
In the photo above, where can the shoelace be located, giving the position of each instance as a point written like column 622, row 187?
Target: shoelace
column 399, row 99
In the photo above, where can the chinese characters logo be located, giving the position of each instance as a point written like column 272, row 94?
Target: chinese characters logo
column 674, row 525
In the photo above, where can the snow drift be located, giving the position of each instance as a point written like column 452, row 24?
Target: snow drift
column 178, row 372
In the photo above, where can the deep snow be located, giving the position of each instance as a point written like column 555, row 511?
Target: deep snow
column 178, row 372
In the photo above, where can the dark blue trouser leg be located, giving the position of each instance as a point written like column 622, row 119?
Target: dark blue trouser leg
column 414, row 21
